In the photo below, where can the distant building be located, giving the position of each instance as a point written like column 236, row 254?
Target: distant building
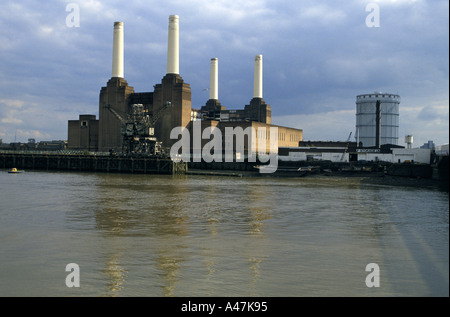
column 428, row 145
column 350, row 152
column 83, row 133
column 442, row 149
column 397, row 155
column 54, row 145
column 374, row 128
column 320, row 151
column 31, row 143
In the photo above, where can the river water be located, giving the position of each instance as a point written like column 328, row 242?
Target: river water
column 159, row 235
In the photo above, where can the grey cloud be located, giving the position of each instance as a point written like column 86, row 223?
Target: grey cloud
column 318, row 55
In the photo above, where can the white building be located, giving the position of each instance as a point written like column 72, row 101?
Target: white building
column 440, row 149
column 398, row 155
column 339, row 153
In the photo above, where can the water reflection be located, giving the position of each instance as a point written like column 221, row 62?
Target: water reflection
column 208, row 236
column 157, row 209
column 255, row 272
column 149, row 209
column 115, row 275
column 169, row 265
column 260, row 205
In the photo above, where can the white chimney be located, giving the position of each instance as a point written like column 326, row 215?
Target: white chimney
column 173, row 46
column 117, row 61
column 214, row 80
column 257, row 85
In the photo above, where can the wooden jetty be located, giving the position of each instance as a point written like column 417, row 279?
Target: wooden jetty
column 91, row 163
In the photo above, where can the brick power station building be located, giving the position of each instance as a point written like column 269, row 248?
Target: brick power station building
column 104, row 134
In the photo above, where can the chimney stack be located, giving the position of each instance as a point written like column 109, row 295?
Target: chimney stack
column 257, row 86
column 117, row 61
column 214, row 80
column 173, row 46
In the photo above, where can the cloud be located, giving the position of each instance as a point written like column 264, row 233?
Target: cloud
column 318, row 55
column 11, row 121
column 426, row 123
column 11, row 103
column 323, row 126
column 9, row 111
column 34, row 134
column 433, row 113
column 323, row 14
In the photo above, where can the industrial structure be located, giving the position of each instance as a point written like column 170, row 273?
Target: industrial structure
column 377, row 119
column 83, row 133
column 377, row 126
column 345, row 152
column 257, row 110
column 121, row 107
column 409, row 139
column 138, row 131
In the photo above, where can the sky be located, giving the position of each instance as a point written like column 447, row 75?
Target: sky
column 317, row 57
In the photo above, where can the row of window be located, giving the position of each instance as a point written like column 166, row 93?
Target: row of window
column 265, row 134
column 377, row 95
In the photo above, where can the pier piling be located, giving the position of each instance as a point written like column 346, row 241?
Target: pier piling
column 92, row 163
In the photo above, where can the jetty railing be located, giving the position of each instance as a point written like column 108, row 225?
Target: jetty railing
column 98, row 162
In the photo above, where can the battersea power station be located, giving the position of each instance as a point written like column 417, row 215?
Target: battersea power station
column 142, row 122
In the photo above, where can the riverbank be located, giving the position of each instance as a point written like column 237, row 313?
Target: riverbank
column 364, row 177
column 382, row 173
column 407, row 182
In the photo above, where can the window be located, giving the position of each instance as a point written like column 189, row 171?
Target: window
column 84, row 123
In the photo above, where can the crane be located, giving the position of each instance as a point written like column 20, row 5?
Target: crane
column 138, row 130
column 346, row 146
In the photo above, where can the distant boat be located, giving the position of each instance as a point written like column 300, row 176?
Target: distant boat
column 14, row 171
column 291, row 171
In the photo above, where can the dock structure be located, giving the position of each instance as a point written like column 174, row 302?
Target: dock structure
column 92, row 163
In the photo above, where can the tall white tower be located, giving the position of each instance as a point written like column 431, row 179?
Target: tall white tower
column 117, row 61
column 214, row 79
column 173, row 48
column 371, row 127
column 258, row 78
